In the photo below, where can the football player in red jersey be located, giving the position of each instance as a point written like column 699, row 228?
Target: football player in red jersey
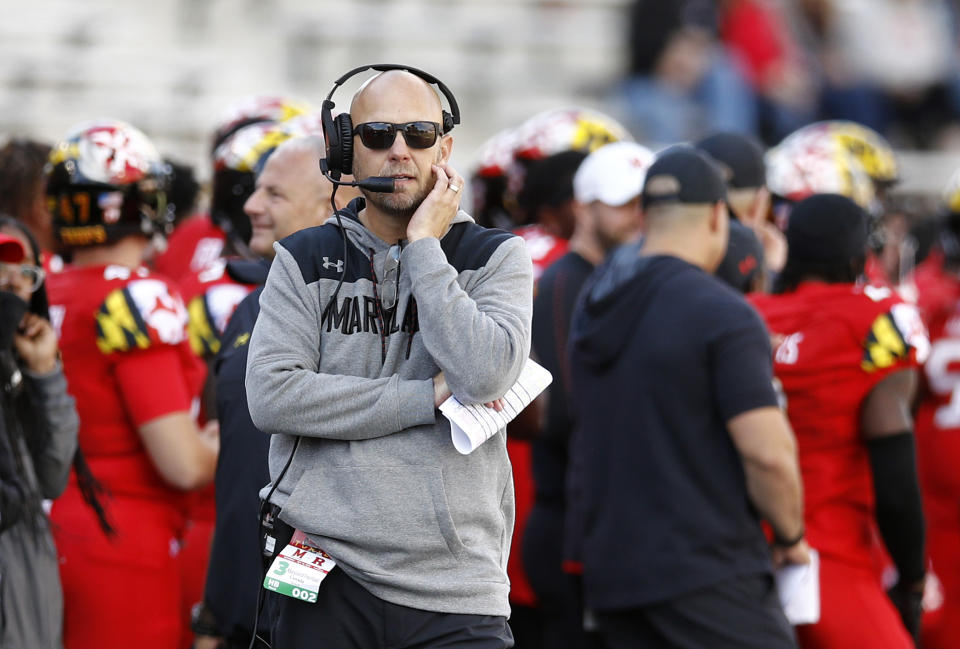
column 129, row 367
column 847, row 363
column 936, row 281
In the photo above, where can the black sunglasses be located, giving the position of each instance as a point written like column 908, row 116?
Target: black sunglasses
column 380, row 135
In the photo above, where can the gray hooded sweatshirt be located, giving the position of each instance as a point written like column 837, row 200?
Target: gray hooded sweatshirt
column 376, row 481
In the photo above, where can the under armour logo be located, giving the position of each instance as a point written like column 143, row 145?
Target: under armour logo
column 329, row 264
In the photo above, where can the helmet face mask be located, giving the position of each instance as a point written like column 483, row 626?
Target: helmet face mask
column 105, row 181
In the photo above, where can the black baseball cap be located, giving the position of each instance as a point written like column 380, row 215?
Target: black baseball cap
column 827, row 228
column 744, row 258
column 740, row 156
column 683, row 174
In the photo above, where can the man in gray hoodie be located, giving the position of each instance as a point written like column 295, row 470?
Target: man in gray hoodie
column 355, row 347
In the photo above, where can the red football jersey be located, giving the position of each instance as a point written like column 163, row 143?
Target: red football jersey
column 127, row 361
column 875, row 273
column 211, row 297
column 938, row 416
column 194, row 245
column 544, row 248
column 937, row 430
column 839, row 341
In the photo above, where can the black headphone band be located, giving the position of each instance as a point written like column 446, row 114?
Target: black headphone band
column 385, row 67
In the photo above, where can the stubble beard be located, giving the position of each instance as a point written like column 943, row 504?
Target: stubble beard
column 398, row 205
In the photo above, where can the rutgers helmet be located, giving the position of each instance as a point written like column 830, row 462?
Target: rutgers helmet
column 800, row 167
column 874, row 153
column 951, row 194
column 254, row 110
column 106, row 180
column 499, row 176
column 567, row 129
column 236, row 163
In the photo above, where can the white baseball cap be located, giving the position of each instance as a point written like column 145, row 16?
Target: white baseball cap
column 613, row 174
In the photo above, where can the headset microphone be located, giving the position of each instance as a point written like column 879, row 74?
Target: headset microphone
column 379, row 184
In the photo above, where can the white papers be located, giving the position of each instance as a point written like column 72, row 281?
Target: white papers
column 471, row 426
column 799, row 588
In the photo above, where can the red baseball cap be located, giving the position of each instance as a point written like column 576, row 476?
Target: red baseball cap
column 11, row 250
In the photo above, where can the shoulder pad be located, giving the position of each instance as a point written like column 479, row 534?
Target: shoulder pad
column 142, row 314
column 247, row 271
column 892, row 336
column 209, row 314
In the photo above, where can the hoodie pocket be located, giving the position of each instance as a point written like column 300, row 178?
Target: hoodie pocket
column 397, row 513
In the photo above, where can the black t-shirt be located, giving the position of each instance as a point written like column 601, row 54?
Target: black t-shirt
column 234, row 572
column 557, row 293
column 663, row 356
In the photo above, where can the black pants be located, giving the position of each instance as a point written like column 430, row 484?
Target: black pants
column 347, row 616
column 739, row 613
column 560, row 594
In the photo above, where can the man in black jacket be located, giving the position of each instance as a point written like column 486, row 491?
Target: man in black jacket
column 291, row 194
column 680, row 447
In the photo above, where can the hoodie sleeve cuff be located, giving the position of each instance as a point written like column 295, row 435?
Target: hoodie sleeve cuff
column 50, row 382
column 415, row 400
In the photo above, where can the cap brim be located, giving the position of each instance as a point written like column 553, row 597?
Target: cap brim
column 11, row 250
column 618, row 198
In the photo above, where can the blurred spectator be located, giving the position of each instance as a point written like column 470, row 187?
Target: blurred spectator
column 21, row 188
column 682, row 81
column 135, row 380
column 606, row 190
column 757, row 34
column 38, row 439
column 892, row 65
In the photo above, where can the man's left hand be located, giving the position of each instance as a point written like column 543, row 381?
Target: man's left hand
column 437, row 210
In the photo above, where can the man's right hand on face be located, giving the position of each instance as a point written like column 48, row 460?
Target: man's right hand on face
column 435, row 214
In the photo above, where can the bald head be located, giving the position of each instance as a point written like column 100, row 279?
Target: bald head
column 676, row 215
column 398, row 97
column 291, row 194
column 696, row 232
column 310, row 145
column 384, row 95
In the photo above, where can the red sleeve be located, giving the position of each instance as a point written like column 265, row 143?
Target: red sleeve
column 152, row 383
column 757, row 35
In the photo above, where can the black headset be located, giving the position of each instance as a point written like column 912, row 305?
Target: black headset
column 338, row 131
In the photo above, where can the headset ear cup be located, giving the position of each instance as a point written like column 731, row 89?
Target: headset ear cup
column 343, row 127
column 330, row 138
column 447, row 122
